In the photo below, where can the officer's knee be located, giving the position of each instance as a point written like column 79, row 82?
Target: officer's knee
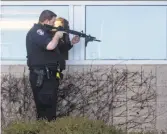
column 46, row 99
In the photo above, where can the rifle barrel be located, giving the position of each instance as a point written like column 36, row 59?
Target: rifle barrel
column 72, row 32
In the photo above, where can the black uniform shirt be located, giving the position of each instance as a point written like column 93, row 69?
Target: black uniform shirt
column 64, row 46
column 37, row 39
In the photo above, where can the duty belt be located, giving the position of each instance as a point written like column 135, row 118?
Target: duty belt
column 42, row 73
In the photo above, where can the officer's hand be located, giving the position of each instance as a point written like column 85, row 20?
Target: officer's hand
column 75, row 40
column 59, row 34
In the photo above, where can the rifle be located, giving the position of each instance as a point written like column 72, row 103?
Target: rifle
column 88, row 38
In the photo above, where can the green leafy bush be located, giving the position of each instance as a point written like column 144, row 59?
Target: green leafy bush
column 66, row 125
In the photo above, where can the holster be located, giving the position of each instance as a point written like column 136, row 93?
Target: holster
column 40, row 77
column 59, row 75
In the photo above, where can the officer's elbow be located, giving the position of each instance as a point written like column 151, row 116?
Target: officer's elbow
column 51, row 46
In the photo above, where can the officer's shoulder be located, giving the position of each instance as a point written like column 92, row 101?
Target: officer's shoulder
column 31, row 30
column 36, row 30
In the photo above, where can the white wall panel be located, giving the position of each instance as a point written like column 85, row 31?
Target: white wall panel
column 79, row 25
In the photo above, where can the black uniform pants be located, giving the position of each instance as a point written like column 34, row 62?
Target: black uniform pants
column 45, row 97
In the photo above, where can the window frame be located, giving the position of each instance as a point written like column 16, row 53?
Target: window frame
column 83, row 5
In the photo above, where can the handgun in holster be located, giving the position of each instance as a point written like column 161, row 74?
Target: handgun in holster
column 40, row 77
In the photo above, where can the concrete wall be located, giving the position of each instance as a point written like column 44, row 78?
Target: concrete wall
column 160, row 84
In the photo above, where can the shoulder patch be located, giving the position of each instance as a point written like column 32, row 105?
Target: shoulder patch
column 40, row 32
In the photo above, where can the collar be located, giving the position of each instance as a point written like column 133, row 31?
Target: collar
column 39, row 25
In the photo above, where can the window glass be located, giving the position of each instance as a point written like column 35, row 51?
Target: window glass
column 15, row 22
column 127, row 32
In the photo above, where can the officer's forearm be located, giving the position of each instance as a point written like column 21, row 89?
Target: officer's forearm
column 53, row 44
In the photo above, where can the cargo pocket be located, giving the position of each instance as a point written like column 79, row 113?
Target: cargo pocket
column 46, row 99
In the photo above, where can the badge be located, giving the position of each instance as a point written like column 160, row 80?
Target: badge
column 40, row 32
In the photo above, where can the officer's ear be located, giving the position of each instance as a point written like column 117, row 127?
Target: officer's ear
column 46, row 21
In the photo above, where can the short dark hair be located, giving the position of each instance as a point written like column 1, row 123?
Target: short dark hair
column 46, row 14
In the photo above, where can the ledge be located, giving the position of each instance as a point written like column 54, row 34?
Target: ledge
column 95, row 62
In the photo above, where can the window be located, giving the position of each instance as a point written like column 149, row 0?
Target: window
column 16, row 21
column 127, row 32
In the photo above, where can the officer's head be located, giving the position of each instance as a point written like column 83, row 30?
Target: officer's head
column 47, row 17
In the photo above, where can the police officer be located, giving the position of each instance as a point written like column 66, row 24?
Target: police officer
column 45, row 63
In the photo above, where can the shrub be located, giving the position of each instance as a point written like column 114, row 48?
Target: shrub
column 65, row 125
column 120, row 97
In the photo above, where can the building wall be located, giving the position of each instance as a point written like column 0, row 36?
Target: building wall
column 159, row 84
